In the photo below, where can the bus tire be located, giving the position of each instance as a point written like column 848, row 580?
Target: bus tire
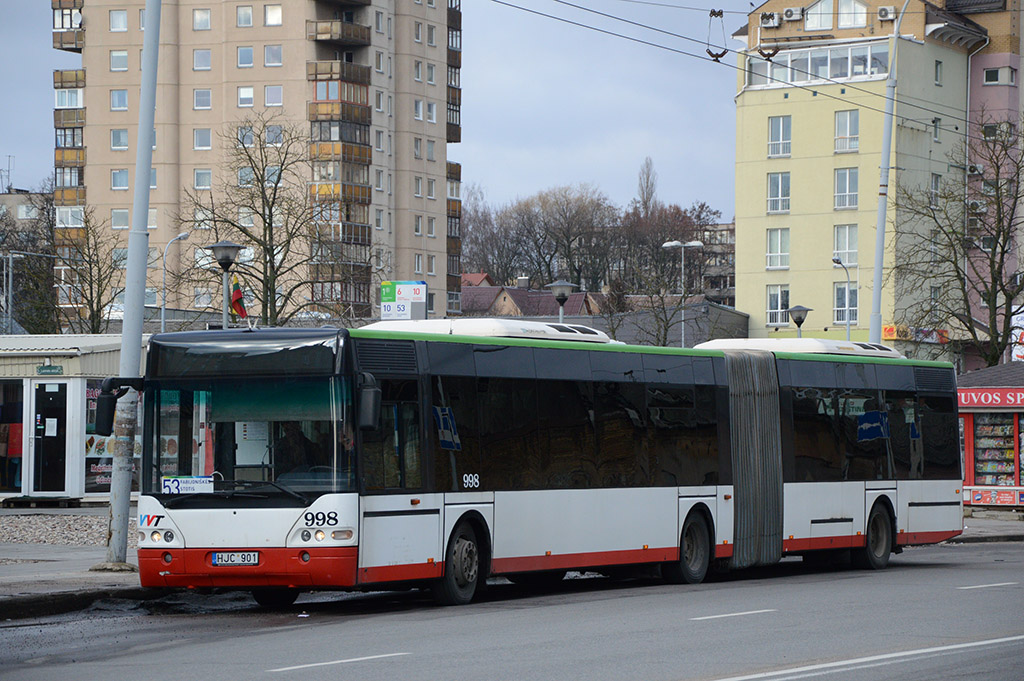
column 275, row 599
column 877, row 541
column 461, row 568
column 694, row 553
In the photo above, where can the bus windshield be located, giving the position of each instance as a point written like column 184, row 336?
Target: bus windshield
column 281, row 436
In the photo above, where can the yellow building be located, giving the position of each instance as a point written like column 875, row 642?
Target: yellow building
column 809, row 126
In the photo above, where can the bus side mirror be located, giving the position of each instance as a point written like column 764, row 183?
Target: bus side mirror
column 106, row 405
column 369, row 402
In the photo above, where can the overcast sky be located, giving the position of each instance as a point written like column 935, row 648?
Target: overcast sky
column 545, row 103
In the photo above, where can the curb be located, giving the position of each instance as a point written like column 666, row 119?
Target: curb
column 986, row 538
column 45, row 604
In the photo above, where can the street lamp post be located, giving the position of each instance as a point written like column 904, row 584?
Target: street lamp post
column 163, row 304
column 798, row 313
column 682, row 281
column 225, row 252
column 562, row 289
column 839, row 262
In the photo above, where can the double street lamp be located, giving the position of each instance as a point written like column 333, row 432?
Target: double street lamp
column 682, row 284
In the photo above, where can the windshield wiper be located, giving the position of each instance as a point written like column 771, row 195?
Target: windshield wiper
column 258, row 483
column 220, row 494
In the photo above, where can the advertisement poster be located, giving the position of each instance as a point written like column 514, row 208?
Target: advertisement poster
column 99, row 455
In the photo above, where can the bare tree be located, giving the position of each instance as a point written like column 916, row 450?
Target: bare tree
column 487, row 245
column 88, row 273
column 308, row 246
column 957, row 250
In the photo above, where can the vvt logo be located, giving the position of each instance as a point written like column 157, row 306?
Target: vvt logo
column 149, row 520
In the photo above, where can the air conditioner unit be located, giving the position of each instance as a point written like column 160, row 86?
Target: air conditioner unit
column 975, row 169
column 977, row 206
column 887, row 13
column 793, row 13
column 770, row 20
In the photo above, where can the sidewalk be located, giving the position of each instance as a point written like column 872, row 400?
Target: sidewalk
column 45, row 579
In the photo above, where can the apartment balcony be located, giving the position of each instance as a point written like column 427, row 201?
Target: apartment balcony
column 453, row 133
column 453, row 171
column 68, row 78
column 71, row 40
column 454, row 96
column 69, row 196
column 453, row 245
column 455, row 58
column 341, row 191
column 454, row 208
column 341, row 151
column 334, row 69
column 352, row 233
column 347, row 3
column 339, row 111
column 68, row 118
column 338, row 32
column 69, row 158
column 454, row 18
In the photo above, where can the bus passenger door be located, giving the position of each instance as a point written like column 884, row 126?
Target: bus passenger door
column 400, row 527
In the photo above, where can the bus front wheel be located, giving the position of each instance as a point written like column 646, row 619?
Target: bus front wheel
column 461, row 568
column 694, row 553
column 878, row 541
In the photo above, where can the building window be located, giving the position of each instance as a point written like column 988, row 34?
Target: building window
column 118, row 20
column 119, row 139
column 935, row 190
column 1005, row 75
column 246, row 175
column 417, row 225
column 243, row 16
column 202, row 178
column 938, row 72
column 119, row 218
column 430, row 264
column 118, row 60
column 846, row 188
column 431, row 222
column 417, row 70
column 70, row 138
column 245, row 58
column 69, row 217
column 845, row 244
column 431, row 112
column 430, row 189
column 272, row 15
column 246, row 138
column 67, row 177
column 417, row 32
column 119, row 179
column 852, row 14
column 846, row 300
column 778, row 305
column 818, row 17
column 378, row 62
column 202, row 99
column 936, row 126
column 118, row 100
column 418, row 263
column 430, row 74
column 200, row 20
column 379, row 137
column 273, row 55
column 273, row 95
column 378, row 219
column 417, row 109
column 202, row 297
column 274, row 135
column 779, row 135
column 379, row 183
column 378, row 22
column 417, row 186
column 778, row 248
column 430, row 150
column 847, row 131
column 778, row 192
column 201, row 60
column 431, row 31
column 245, row 96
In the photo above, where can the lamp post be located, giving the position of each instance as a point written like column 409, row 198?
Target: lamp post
column 798, row 313
column 225, row 252
column 682, row 281
column 163, row 303
column 839, row 262
column 562, row 289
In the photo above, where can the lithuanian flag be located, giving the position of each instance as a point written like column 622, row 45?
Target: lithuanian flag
column 237, row 304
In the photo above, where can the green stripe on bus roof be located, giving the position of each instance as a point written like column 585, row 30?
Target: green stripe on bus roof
column 615, row 347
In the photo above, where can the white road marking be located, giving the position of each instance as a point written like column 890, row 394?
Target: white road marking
column 731, row 614
column 866, row 661
column 327, row 664
column 985, row 586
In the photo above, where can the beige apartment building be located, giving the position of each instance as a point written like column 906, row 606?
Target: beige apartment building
column 374, row 82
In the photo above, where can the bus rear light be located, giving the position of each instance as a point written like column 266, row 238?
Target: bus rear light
column 341, row 534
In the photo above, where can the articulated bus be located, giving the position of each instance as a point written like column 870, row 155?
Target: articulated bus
column 439, row 453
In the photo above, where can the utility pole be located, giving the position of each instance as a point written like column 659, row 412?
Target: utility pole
column 134, row 303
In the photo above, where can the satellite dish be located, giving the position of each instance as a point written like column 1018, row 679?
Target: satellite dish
column 76, row 18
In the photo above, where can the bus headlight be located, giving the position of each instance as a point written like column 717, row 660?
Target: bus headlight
column 168, row 536
column 320, row 534
column 306, row 536
column 155, row 536
column 341, row 534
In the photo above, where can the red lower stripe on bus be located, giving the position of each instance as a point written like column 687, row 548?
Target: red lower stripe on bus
column 326, row 567
column 400, row 573
column 906, row 538
column 822, row 543
column 569, row 561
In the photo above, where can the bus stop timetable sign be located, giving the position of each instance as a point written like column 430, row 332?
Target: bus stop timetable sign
column 403, row 300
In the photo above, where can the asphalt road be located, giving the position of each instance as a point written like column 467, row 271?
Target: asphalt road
column 943, row 612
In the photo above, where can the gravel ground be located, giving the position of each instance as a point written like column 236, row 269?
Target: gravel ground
column 65, row 529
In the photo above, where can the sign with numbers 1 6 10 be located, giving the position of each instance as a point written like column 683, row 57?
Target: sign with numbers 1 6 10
column 403, row 300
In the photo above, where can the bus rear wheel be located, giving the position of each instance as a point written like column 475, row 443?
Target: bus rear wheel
column 878, row 541
column 461, row 568
column 275, row 599
column 694, row 553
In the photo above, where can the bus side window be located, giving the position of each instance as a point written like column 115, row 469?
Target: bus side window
column 391, row 455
